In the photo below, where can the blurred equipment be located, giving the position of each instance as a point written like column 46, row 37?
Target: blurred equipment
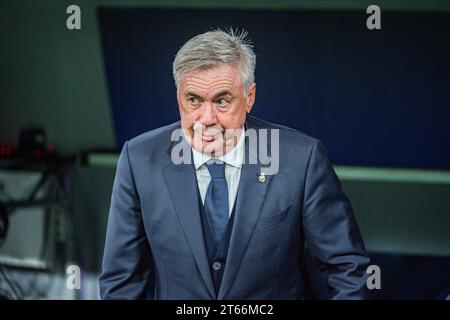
column 32, row 144
column 32, row 140
column 4, row 222
column 23, row 238
column 36, row 237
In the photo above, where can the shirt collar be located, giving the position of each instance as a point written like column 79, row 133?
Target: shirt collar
column 234, row 157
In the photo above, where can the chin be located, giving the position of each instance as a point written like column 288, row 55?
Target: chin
column 211, row 150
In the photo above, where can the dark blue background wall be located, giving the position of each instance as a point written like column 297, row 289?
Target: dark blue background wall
column 374, row 97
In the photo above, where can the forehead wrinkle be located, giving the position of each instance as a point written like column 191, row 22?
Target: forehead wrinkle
column 210, row 88
column 204, row 82
column 208, row 76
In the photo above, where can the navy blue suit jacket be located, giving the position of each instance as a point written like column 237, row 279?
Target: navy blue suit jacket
column 155, row 247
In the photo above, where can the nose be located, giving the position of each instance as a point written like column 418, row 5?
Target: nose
column 209, row 116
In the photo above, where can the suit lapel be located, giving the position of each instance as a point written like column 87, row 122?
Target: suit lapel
column 249, row 203
column 181, row 183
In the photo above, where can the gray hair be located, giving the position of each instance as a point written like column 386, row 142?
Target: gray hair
column 212, row 48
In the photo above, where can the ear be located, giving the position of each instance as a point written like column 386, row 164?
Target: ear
column 251, row 96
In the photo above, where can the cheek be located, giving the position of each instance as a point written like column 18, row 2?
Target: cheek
column 189, row 116
column 234, row 119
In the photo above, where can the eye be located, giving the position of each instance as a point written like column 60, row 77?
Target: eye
column 222, row 102
column 194, row 101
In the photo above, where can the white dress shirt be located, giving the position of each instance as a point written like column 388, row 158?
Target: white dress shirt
column 233, row 160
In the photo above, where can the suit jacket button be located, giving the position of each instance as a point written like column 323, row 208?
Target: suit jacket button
column 217, row 265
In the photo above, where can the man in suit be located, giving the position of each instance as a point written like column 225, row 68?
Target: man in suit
column 224, row 223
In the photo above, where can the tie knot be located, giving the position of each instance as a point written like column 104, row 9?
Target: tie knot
column 216, row 170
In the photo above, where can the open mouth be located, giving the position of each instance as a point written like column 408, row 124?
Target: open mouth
column 208, row 138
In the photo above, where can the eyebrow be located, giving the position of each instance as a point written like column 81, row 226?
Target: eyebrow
column 220, row 94
column 192, row 94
